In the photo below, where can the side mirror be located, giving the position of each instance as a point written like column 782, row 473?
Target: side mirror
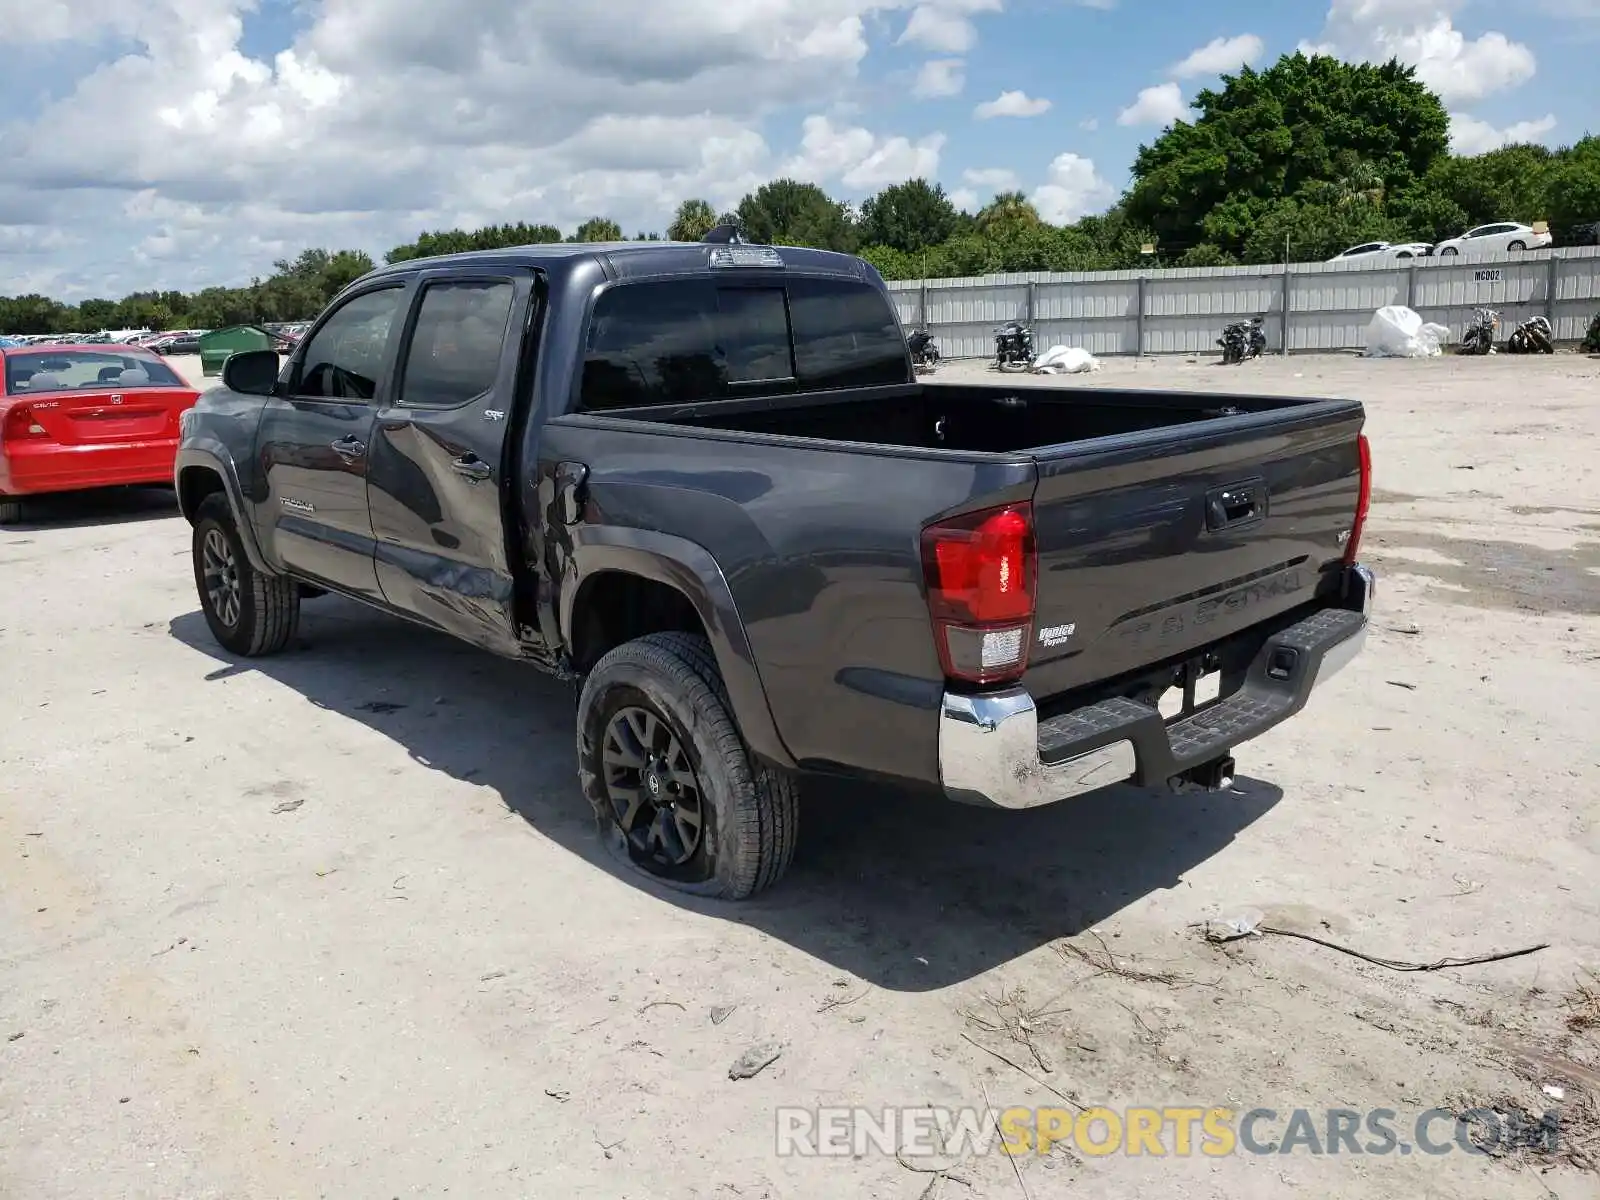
column 253, row 372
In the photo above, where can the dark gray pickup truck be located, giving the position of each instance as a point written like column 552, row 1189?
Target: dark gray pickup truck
column 703, row 480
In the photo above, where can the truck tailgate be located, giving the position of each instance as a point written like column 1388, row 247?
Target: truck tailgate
column 1175, row 538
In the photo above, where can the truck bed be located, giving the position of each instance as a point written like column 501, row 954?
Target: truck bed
column 980, row 418
column 1167, row 523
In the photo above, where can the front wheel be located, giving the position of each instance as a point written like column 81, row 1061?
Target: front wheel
column 1517, row 246
column 249, row 613
column 1449, row 250
column 674, row 788
column 10, row 510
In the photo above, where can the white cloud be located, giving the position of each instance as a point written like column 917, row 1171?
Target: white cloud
column 1159, row 105
column 1220, row 56
column 940, row 77
column 1072, row 189
column 860, row 159
column 1089, row 123
column 1469, row 135
column 945, row 26
column 1423, row 33
column 982, row 184
column 1011, row 104
column 379, row 121
column 993, row 179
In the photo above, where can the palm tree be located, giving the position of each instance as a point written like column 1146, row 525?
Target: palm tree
column 693, row 220
column 1008, row 208
column 1360, row 183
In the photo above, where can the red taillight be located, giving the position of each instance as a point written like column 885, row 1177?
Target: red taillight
column 980, row 570
column 1352, row 546
column 20, row 426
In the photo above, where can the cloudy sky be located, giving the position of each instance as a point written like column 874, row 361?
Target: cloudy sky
column 178, row 143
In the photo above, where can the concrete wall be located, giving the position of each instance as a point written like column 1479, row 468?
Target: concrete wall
column 1183, row 311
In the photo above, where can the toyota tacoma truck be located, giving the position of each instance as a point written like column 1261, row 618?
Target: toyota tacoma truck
column 702, row 481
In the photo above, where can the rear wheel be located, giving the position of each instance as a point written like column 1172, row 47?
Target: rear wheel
column 10, row 510
column 250, row 613
column 674, row 788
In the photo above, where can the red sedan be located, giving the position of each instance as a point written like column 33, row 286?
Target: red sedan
column 79, row 417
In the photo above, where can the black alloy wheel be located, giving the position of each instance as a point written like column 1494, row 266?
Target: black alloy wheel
column 652, row 787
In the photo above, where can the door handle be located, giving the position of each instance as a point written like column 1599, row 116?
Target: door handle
column 1236, row 504
column 349, row 447
column 471, row 467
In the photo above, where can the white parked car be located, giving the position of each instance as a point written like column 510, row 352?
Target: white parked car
column 1382, row 251
column 1499, row 238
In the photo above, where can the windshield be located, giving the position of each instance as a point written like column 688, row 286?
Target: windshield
column 70, row 370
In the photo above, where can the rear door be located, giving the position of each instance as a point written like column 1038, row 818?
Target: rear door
column 1178, row 537
column 313, row 442
column 437, row 480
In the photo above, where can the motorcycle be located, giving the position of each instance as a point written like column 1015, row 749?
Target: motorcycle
column 1479, row 336
column 1013, row 347
column 1242, row 340
column 924, row 351
column 1533, row 336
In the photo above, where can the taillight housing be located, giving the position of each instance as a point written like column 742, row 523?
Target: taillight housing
column 20, row 426
column 981, row 571
column 1352, row 545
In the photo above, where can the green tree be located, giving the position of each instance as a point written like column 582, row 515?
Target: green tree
column 34, row 313
column 1311, row 232
column 1006, row 209
column 894, row 264
column 598, row 229
column 1267, row 135
column 97, row 314
column 1508, row 184
column 789, row 213
column 909, row 216
column 459, row 241
column 1425, row 214
column 1572, row 187
column 693, row 220
column 1206, row 255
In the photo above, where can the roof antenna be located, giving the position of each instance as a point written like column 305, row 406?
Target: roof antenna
column 724, row 235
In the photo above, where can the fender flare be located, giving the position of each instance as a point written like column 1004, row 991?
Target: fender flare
column 213, row 456
column 690, row 569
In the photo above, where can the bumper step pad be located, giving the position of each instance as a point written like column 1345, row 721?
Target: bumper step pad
column 1278, row 684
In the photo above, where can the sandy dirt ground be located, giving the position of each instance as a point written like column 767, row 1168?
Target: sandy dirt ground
column 335, row 924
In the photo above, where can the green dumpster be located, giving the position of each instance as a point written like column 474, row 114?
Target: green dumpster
column 219, row 344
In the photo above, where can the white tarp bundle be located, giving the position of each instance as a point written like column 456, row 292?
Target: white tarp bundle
column 1398, row 332
column 1065, row 360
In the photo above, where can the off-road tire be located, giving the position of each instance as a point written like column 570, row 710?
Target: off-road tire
column 750, row 811
column 269, row 605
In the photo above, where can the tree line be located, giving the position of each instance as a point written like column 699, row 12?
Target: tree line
column 1300, row 160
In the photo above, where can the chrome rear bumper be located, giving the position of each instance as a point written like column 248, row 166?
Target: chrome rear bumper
column 995, row 751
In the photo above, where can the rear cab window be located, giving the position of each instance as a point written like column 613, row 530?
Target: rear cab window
column 680, row 341
column 72, row 370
